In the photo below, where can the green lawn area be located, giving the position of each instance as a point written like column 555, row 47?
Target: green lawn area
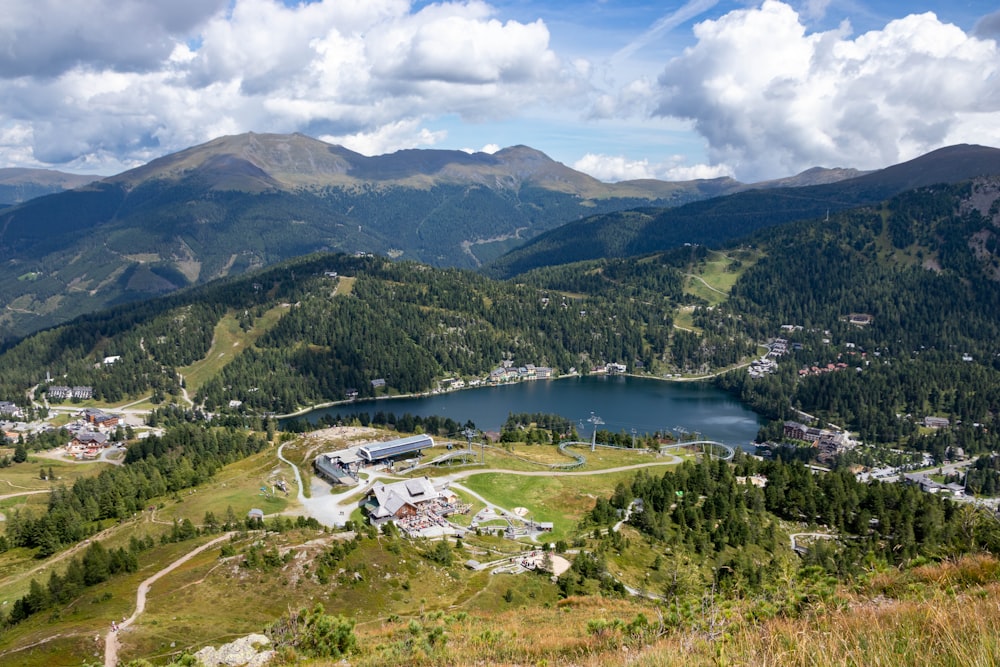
column 713, row 279
column 228, row 341
column 563, row 500
column 684, row 319
column 27, row 476
column 237, row 486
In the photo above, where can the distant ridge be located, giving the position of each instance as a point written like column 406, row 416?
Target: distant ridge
column 258, row 162
column 718, row 220
column 18, row 185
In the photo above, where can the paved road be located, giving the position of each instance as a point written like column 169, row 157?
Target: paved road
column 111, row 639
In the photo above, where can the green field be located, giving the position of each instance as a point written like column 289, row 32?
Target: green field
column 713, row 278
column 563, row 500
column 190, row 607
column 238, row 486
column 228, row 341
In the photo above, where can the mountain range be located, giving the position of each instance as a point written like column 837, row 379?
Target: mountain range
column 242, row 202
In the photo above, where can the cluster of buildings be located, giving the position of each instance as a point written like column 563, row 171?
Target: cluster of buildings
column 830, row 443
column 761, row 367
column 416, row 506
column 343, row 466
column 776, row 348
column 10, row 410
column 507, row 372
column 90, row 433
column 819, row 370
column 62, row 393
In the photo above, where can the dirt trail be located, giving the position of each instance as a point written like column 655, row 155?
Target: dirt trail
column 24, row 493
column 111, row 639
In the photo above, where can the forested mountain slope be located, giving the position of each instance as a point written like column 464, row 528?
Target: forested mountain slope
column 922, row 271
column 719, row 220
column 407, row 324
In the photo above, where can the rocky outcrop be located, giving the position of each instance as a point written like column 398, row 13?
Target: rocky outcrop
column 246, row 651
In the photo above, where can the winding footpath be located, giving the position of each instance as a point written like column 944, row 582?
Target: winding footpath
column 111, row 639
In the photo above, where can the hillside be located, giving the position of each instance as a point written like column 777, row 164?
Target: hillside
column 19, row 185
column 719, row 220
column 247, row 201
column 705, row 571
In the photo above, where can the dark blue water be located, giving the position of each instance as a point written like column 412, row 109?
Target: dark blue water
column 622, row 402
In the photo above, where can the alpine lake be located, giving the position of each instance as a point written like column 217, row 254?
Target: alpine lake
column 621, row 402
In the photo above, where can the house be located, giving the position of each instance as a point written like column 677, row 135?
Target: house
column 82, row 393
column 99, row 418
column 87, row 445
column 59, row 393
column 399, row 500
column 937, row 422
column 10, row 409
column 110, row 360
column 255, row 513
column 378, row 382
column 795, row 430
column 89, row 438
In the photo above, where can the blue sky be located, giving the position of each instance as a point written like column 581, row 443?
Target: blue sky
column 619, row 89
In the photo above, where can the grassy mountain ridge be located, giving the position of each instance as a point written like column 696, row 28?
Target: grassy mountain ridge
column 718, row 220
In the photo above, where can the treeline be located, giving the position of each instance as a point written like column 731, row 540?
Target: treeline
column 183, row 457
column 405, row 423
column 536, row 428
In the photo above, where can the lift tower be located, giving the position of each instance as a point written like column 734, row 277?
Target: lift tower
column 596, row 421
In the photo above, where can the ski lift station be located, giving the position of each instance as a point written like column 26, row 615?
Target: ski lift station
column 341, row 467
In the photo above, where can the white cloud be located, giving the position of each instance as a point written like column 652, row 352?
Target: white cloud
column 489, row 149
column 387, row 138
column 680, row 172
column 148, row 79
column 772, row 99
column 45, row 38
column 615, row 168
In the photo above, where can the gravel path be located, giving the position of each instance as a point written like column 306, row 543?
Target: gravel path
column 111, row 639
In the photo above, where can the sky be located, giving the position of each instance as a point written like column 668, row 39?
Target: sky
column 617, row 89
